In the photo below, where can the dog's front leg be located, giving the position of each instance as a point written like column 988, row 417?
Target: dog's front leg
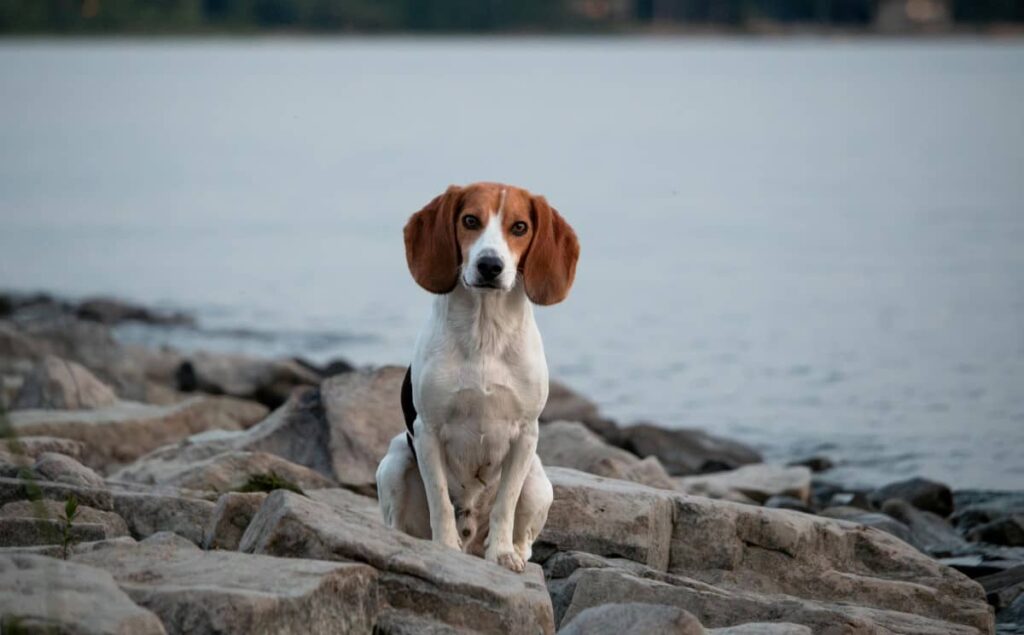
column 435, row 482
column 514, row 469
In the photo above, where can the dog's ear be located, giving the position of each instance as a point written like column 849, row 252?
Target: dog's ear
column 431, row 246
column 550, row 262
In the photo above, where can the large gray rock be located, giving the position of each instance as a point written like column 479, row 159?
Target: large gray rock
column 121, row 433
column 206, row 592
column 687, row 451
column 418, row 576
column 632, row 618
column 60, row 384
column 32, row 446
column 1008, row 532
column 64, row 469
column 27, row 532
column 737, row 564
column 47, row 595
column 884, row 522
column 571, row 444
column 923, row 494
column 112, row 524
column 17, row 489
column 758, row 482
column 268, row 381
column 929, row 532
column 148, row 514
column 763, row 628
column 231, row 517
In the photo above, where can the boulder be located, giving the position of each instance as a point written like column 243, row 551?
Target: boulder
column 148, row 514
column 187, row 466
column 923, row 494
column 878, row 520
column 47, row 595
column 268, row 381
column 816, row 464
column 1007, row 531
column 33, row 446
column 112, row 311
column 414, row 575
column 632, row 618
column 112, row 524
column 763, row 628
column 571, row 444
column 231, row 517
column 930, row 532
column 758, row 482
column 976, row 507
column 27, row 532
column 121, row 433
column 60, row 384
column 64, row 469
column 565, row 404
column 206, row 592
column 1003, row 588
column 18, row 489
column 787, row 502
column 687, row 451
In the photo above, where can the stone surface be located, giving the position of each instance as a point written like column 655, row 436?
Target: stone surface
column 1004, row 588
column 573, row 445
column 147, row 514
column 419, row 576
column 205, row 592
column 923, row 494
column 763, row 628
column 120, row 434
column 787, row 502
column 27, row 532
column 16, row 489
column 877, row 520
column 268, row 381
column 1007, row 531
column 565, row 404
column 687, row 451
column 976, row 507
column 929, row 532
column 758, row 482
column 231, row 517
column 32, row 446
column 632, row 618
column 43, row 593
column 112, row 524
column 608, row 517
column 64, row 469
column 60, row 384
column 107, row 310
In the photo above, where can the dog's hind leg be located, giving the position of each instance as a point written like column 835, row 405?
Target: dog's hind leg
column 532, row 509
column 403, row 500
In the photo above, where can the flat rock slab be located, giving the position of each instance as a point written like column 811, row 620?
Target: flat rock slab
column 632, row 618
column 417, row 576
column 123, row 432
column 231, row 517
column 206, row 592
column 61, row 384
column 113, row 525
column 759, row 482
column 571, row 444
column 41, row 593
column 147, row 514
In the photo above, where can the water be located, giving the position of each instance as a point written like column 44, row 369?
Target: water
column 811, row 245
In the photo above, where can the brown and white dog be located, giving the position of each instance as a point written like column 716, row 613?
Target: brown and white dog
column 467, row 474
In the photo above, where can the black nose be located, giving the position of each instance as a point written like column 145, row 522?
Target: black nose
column 489, row 267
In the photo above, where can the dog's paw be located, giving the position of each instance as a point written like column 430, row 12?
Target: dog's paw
column 508, row 559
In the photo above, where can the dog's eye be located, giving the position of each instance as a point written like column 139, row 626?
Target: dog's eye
column 519, row 228
column 470, row 222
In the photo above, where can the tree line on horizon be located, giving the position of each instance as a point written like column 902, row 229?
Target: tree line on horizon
column 461, row 16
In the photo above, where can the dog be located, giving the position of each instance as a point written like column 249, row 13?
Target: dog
column 466, row 472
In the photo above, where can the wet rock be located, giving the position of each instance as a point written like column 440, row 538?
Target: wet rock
column 148, row 514
column 1011, row 618
column 787, row 502
column 414, row 575
column 60, row 384
column 1005, row 531
column 231, row 517
column 268, row 381
column 330, row 369
column 608, row 517
column 121, row 433
column 27, row 532
column 190, row 466
column 878, row 520
column 42, row 594
column 64, row 469
column 112, row 524
column 921, row 493
column 687, row 451
column 930, row 532
column 206, row 592
column 573, row 445
column 758, row 482
column 1003, row 588
column 816, row 464
column 111, row 311
column 976, row 508
column 632, row 619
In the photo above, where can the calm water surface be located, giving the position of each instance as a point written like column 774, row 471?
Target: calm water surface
column 814, row 246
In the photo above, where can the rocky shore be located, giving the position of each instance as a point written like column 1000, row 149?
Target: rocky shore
column 161, row 491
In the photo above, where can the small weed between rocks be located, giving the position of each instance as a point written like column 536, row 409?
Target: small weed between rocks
column 67, row 524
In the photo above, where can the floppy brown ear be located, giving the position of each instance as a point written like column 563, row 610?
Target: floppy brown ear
column 431, row 247
column 551, row 259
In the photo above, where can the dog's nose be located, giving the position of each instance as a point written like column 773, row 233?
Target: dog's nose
column 489, row 267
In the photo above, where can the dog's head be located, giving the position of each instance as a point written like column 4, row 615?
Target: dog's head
column 486, row 236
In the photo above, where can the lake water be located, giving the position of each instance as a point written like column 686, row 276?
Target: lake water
column 810, row 245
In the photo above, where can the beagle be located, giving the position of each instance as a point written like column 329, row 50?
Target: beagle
column 467, row 474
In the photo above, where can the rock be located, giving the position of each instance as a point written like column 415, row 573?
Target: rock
column 121, row 433
column 921, row 493
column 206, row 592
column 608, row 517
column 816, row 464
column 57, row 550
column 43, row 594
column 570, row 444
column 268, row 381
column 147, row 514
column 16, row 489
column 734, row 564
column 33, row 446
column 930, row 532
column 112, row 311
column 187, row 466
column 886, row 523
column 1012, row 615
column 632, row 619
column 1004, row 588
column 687, row 451
column 231, row 517
column 787, row 502
column 64, row 469
column 976, row 508
column 27, row 532
column 392, row 622
column 414, row 575
column 758, row 482
column 1005, row 531
column 763, row 628
column 330, row 369
column 60, row 384
column 112, row 524
column 565, row 404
